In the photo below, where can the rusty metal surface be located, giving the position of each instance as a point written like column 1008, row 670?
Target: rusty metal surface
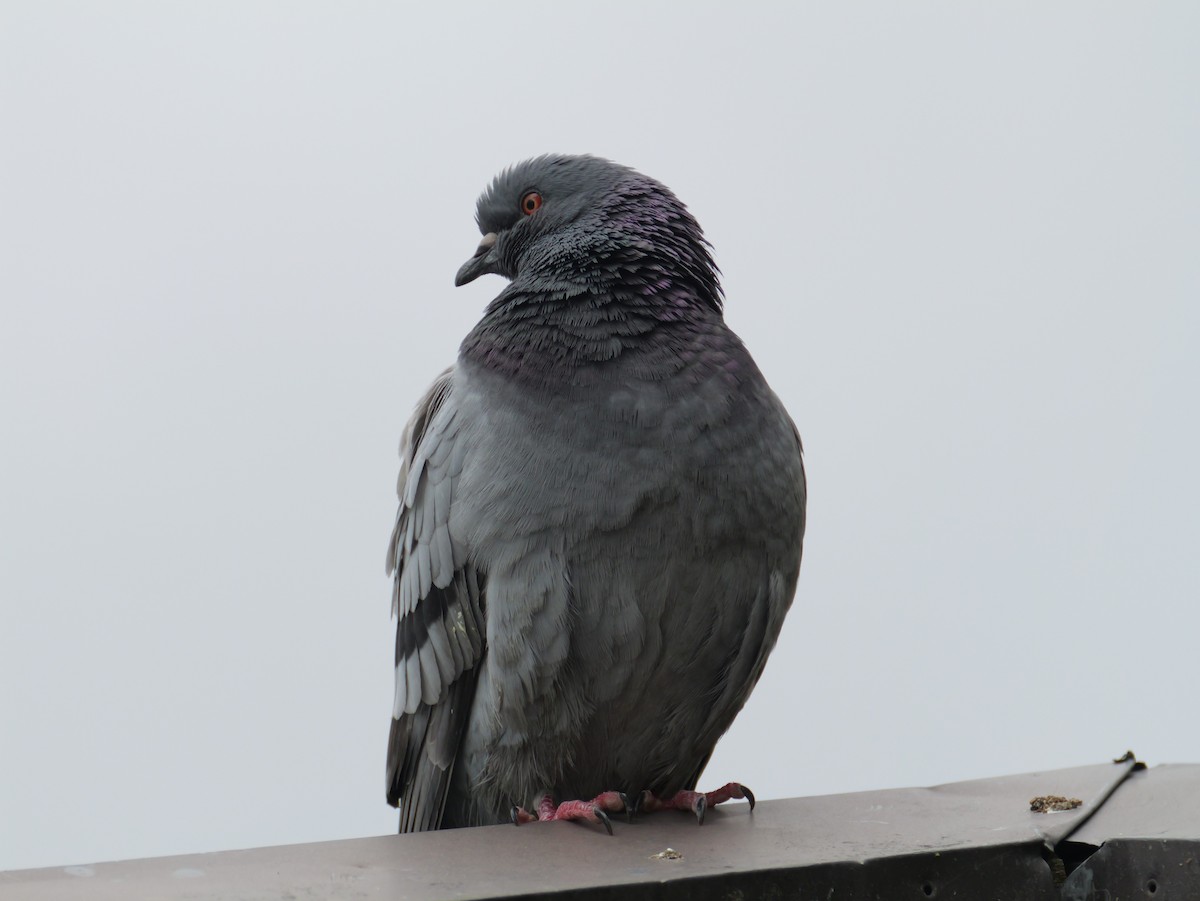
column 960, row 840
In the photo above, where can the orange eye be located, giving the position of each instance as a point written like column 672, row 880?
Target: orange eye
column 531, row 203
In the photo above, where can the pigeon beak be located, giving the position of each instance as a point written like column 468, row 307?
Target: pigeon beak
column 484, row 261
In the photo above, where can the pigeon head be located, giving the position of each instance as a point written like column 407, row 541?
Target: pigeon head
column 558, row 221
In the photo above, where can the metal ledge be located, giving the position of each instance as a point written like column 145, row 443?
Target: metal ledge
column 974, row 839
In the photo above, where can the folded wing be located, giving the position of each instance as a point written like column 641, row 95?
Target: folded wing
column 439, row 601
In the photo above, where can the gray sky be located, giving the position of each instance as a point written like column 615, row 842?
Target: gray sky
column 961, row 242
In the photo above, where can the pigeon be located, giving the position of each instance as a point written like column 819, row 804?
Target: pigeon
column 602, row 509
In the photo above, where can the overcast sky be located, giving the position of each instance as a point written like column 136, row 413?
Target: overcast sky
column 963, row 244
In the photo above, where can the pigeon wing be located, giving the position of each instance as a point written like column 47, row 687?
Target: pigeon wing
column 439, row 601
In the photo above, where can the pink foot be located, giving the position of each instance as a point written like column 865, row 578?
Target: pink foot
column 594, row 811
column 697, row 802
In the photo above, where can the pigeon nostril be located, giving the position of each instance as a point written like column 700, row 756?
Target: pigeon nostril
column 488, row 242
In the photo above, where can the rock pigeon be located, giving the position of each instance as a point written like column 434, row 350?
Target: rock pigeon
column 601, row 518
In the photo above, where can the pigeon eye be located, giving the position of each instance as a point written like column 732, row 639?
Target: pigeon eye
column 531, row 203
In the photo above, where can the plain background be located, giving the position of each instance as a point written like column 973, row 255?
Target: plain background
column 962, row 243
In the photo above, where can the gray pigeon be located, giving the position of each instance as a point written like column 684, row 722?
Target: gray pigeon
column 601, row 518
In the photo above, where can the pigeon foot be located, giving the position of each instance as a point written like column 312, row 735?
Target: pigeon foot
column 593, row 811
column 697, row 802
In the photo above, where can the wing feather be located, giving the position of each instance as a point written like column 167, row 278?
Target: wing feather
column 442, row 556
column 438, row 598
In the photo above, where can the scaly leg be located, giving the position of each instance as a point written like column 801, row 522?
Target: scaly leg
column 594, row 811
column 697, row 802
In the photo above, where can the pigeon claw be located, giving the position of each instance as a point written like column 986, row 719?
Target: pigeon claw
column 599, row 813
column 520, row 815
column 646, row 802
column 628, row 806
column 748, row 795
column 699, row 808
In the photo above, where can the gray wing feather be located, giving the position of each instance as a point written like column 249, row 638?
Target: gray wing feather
column 438, row 599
